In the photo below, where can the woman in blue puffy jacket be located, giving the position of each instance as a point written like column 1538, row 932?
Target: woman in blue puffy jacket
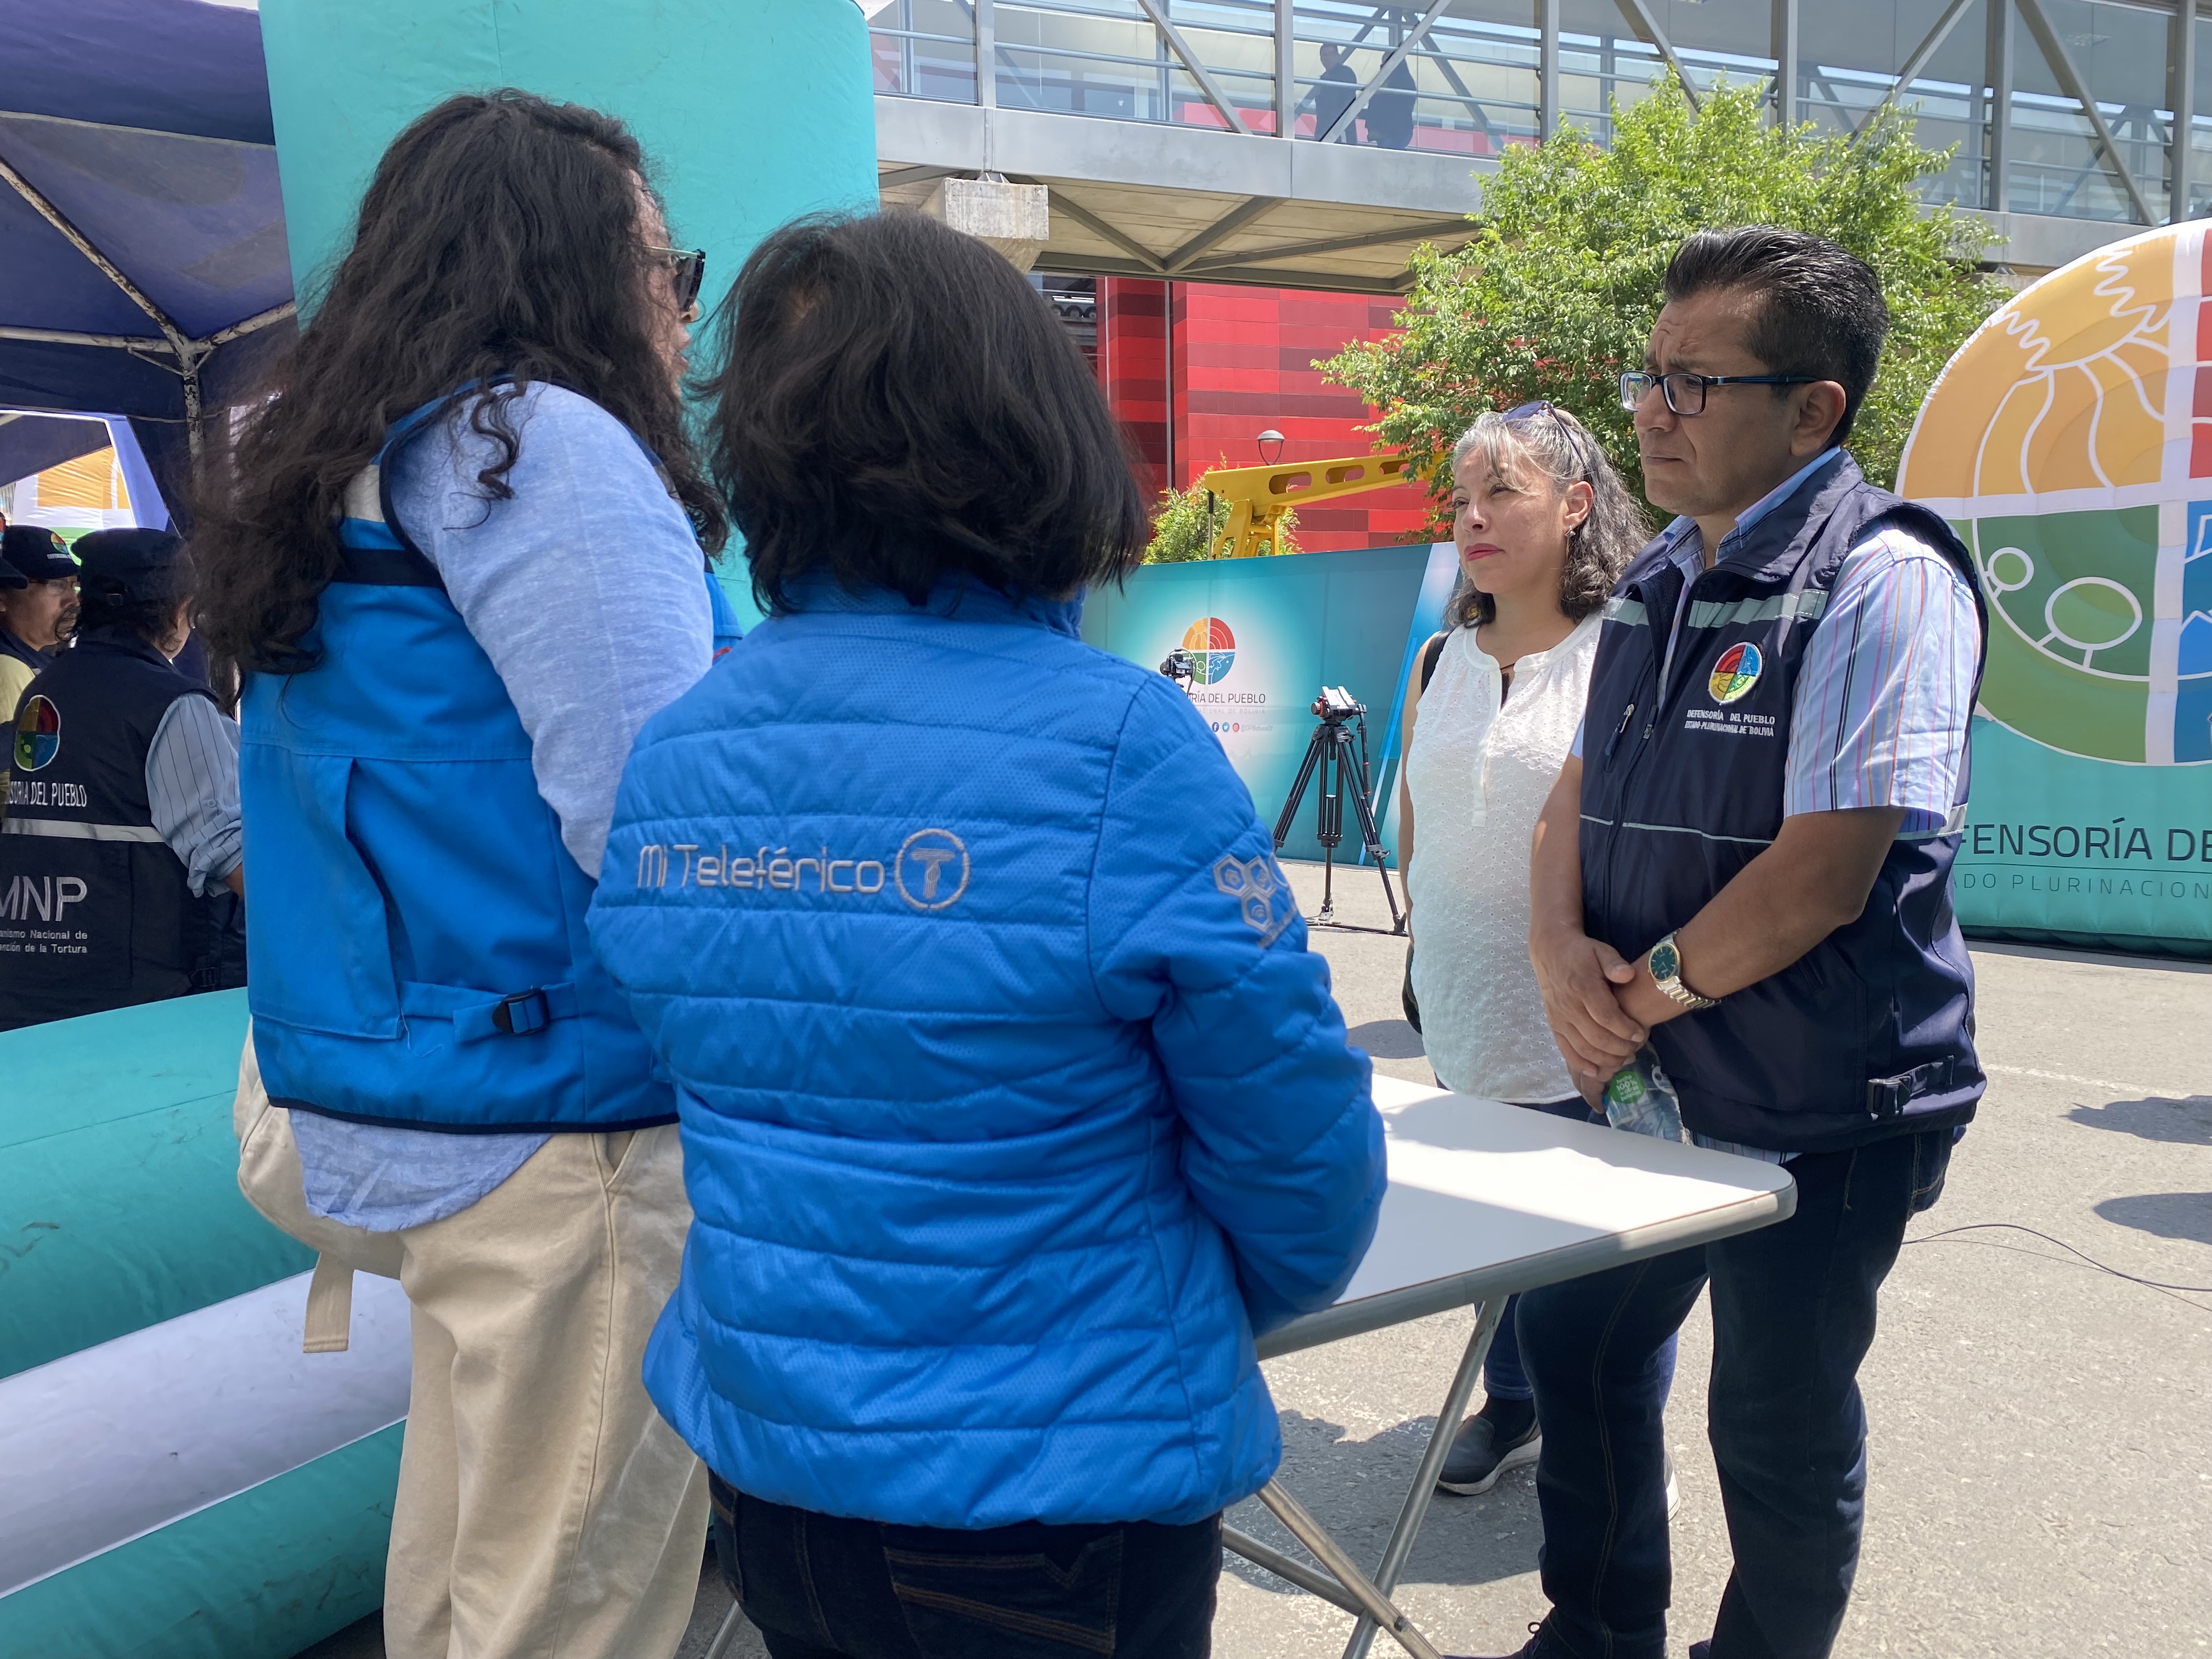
column 1013, row 1102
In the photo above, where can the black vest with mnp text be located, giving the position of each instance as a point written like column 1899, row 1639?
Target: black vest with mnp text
column 1869, row 1033
column 95, row 911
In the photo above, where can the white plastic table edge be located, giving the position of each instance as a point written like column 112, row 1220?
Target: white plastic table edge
column 1412, row 1302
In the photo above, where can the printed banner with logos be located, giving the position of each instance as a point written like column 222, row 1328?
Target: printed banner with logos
column 1265, row 635
column 2070, row 442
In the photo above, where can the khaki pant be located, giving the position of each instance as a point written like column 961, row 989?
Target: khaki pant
column 545, row 1511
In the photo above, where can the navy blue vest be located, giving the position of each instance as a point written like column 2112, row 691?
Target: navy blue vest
column 95, row 911
column 419, row 949
column 1869, row 1034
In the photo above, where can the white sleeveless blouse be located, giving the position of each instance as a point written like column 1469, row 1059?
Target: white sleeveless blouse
column 1479, row 773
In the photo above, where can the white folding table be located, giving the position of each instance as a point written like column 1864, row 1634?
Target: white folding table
column 1487, row 1200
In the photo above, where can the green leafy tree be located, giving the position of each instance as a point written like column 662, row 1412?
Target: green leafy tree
column 1183, row 528
column 1555, row 295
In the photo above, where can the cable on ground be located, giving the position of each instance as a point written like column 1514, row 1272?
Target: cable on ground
column 2014, row 1226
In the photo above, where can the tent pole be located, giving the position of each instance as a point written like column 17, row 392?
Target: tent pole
column 179, row 342
column 192, row 379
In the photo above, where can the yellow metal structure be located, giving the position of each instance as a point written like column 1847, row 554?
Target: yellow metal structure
column 1259, row 496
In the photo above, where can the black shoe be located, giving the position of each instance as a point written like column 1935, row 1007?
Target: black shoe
column 1482, row 1451
column 1701, row 1650
column 1538, row 1646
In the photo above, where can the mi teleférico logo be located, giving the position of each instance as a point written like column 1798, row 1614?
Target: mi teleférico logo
column 1212, row 650
column 1734, row 672
column 38, row 734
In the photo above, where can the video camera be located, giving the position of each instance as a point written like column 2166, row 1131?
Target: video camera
column 1177, row 668
column 1335, row 703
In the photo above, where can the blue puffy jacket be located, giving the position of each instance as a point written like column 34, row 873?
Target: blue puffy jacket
column 1013, row 1101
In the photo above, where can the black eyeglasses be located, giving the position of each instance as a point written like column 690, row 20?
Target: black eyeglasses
column 1685, row 393
column 687, row 270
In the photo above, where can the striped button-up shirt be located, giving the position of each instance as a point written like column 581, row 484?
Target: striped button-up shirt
column 191, row 787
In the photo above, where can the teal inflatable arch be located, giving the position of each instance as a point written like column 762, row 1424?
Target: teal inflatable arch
column 181, row 1481
column 753, row 111
column 180, row 1478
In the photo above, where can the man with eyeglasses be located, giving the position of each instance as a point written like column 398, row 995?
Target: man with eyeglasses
column 1743, row 875
column 38, row 606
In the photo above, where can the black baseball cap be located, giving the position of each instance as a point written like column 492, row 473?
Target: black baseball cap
column 36, row 554
column 119, row 566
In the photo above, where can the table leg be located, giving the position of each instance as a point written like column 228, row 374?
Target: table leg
column 1311, row 1532
column 1284, row 1567
column 726, row 1635
column 1416, row 1509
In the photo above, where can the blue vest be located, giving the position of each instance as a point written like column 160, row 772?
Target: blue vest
column 1869, row 1034
column 417, row 932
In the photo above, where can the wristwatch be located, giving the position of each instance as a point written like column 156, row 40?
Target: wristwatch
column 1665, row 963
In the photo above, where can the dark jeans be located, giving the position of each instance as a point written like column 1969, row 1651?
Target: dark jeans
column 1503, row 1377
column 1793, row 1315
column 823, row 1587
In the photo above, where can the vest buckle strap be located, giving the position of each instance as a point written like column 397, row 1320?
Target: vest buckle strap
column 1888, row 1097
column 483, row 1016
column 522, row 1013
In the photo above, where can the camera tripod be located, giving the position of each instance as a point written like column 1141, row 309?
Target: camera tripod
column 1330, row 753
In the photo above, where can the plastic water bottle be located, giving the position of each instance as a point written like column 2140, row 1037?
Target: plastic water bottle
column 1641, row 1101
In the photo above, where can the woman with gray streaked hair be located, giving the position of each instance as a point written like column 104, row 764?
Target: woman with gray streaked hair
column 1544, row 527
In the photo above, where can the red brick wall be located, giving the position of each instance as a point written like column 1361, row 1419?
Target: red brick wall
column 1241, row 364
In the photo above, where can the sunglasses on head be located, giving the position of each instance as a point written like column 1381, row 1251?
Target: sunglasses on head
column 687, row 270
column 1529, row 412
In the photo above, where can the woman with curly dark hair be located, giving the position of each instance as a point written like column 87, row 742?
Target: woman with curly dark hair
column 462, row 564
column 1544, row 527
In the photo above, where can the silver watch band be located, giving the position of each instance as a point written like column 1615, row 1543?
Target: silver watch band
column 1670, row 984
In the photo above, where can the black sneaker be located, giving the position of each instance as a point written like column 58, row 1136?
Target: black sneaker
column 1480, row 1452
column 1538, row 1646
column 1701, row 1650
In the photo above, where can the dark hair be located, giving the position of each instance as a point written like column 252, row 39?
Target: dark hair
column 124, row 608
column 1560, row 449
column 498, row 237
column 1821, row 311
column 893, row 402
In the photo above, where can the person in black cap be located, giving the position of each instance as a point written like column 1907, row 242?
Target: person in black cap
column 38, row 605
column 122, row 833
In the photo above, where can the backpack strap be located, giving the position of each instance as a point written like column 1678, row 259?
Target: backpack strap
column 1429, row 653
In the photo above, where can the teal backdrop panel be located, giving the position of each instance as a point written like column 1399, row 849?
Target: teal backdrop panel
column 1269, row 633
column 2076, row 850
column 753, row 111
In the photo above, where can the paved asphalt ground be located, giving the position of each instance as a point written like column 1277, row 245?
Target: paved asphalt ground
column 2042, row 1448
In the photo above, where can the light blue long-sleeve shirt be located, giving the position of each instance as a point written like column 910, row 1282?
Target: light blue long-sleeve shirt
column 584, row 590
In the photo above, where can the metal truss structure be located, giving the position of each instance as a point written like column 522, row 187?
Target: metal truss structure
column 1316, row 142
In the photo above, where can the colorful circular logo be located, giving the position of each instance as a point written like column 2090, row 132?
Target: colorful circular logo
column 1735, row 671
column 2068, row 442
column 1213, row 650
column 38, row 734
